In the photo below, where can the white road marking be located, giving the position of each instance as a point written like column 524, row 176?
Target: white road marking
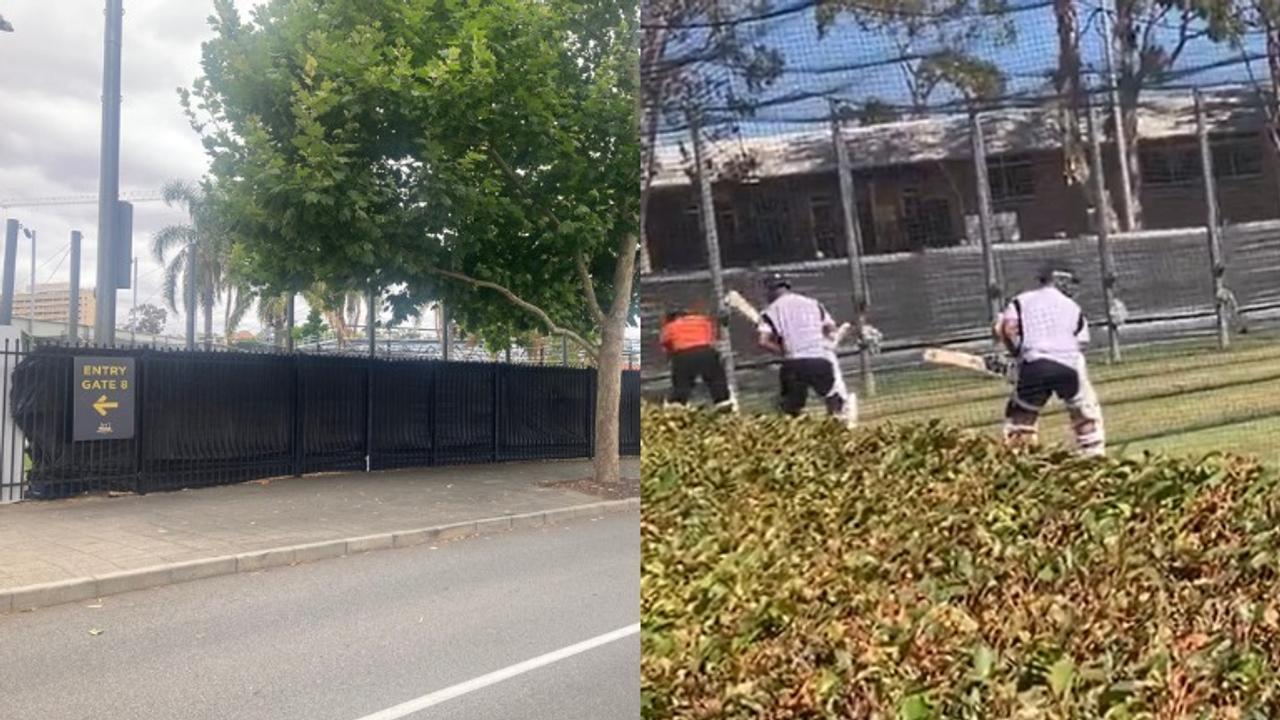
column 412, row 706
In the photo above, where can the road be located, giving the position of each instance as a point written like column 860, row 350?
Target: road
column 359, row 638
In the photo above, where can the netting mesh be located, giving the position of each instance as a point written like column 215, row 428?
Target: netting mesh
column 1134, row 140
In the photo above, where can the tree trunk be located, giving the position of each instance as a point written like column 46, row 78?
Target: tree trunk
column 607, row 464
column 1129, row 83
column 352, row 305
column 646, row 264
column 1067, row 83
column 207, row 300
column 226, row 315
column 339, row 324
column 1129, row 116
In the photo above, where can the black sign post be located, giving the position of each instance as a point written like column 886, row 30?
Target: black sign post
column 104, row 398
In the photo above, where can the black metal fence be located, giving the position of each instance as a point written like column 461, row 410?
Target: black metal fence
column 210, row 418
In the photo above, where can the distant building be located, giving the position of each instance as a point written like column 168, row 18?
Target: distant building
column 916, row 190
column 52, row 303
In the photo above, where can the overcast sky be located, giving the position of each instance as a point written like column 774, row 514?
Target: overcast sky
column 51, row 117
column 50, row 124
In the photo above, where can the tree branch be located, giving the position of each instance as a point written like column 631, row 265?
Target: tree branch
column 579, row 260
column 523, row 304
column 588, row 287
column 517, row 182
column 1184, row 36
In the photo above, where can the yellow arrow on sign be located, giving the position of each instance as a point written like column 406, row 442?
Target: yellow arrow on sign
column 102, row 406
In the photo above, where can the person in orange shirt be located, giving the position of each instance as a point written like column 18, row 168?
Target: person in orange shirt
column 689, row 340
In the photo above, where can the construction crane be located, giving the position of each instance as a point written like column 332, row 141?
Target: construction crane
column 134, row 196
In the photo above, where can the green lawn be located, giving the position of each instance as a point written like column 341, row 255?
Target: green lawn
column 1186, row 398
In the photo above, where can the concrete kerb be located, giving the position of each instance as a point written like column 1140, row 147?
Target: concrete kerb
column 62, row 592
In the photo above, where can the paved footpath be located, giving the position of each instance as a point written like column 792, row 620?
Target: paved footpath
column 53, row 541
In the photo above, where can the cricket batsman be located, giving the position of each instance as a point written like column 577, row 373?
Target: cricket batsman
column 1046, row 331
column 800, row 329
column 689, row 340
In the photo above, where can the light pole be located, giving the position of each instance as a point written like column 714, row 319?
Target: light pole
column 133, row 307
column 31, row 298
column 10, row 260
column 104, row 326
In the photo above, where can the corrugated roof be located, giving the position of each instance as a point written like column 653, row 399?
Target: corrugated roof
column 918, row 141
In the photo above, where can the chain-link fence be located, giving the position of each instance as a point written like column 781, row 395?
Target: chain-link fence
column 430, row 344
column 911, row 164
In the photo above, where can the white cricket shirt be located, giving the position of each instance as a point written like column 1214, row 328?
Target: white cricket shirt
column 1052, row 326
column 800, row 323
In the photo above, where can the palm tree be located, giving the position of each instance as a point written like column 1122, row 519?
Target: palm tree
column 238, row 299
column 273, row 313
column 202, row 246
column 342, row 310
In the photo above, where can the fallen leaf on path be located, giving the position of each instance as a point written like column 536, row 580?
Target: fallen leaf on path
column 94, row 607
column 96, row 632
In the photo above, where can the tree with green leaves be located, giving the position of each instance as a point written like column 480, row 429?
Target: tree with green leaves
column 313, row 329
column 1149, row 36
column 342, row 310
column 481, row 154
column 148, row 319
column 1261, row 17
column 1072, row 102
column 933, row 39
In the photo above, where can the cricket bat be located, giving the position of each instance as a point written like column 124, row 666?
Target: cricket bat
column 992, row 365
column 736, row 302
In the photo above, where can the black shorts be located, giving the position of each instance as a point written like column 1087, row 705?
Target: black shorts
column 799, row 375
column 1040, row 380
column 688, row 366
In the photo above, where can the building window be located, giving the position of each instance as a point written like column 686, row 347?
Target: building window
column 771, row 225
column 693, row 217
column 827, row 237
column 927, row 221
column 727, row 225
column 1011, row 177
column 1169, row 165
column 1236, row 157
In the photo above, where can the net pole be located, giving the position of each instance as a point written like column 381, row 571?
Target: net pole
column 710, row 235
column 1212, row 225
column 1102, row 225
column 853, row 250
column 983, row 183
